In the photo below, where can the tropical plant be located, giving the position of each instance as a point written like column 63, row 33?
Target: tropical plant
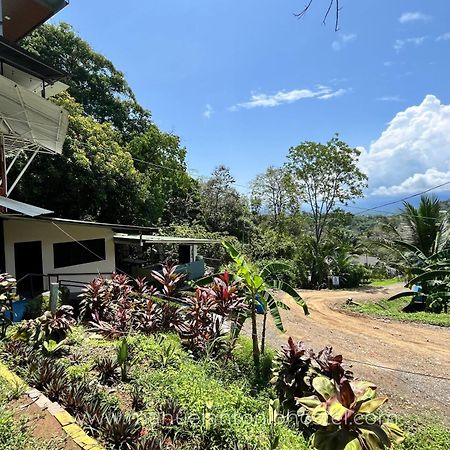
column 343, row 414
column 50, row 326
column 7, row 295
column 107, row 369
column 52, row 348
column 292, row 365
column 423, row 246
column 120, row 430
column 169, row 279
column 296, row 367
column 123, row 358
column 426, row 227
column 274, row 435
column 258, row 288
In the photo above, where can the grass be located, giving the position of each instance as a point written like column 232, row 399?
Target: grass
column 425, row 434
column 15, row 434
column 392, row 309
column 384, row 282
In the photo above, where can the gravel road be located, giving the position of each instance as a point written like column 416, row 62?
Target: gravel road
column 397, row 347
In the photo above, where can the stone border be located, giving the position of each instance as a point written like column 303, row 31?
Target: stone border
column 67, row 422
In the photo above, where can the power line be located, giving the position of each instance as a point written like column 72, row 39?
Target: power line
column 405, row 198
column 409, row 372
column 392, row 214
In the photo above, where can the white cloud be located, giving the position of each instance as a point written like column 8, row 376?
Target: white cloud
column 443, row 37
column 208, row 112
column 390, row 98
column 342, row 41
column 416, row 16
column 388, row 63
column 282, row 97
column 413, row 153
column 417, row 183
column 400, row 43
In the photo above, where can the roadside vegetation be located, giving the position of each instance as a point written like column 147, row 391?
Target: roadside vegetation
column 393, row 309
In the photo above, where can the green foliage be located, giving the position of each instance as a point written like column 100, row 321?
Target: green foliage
column 343, row 414
column 123, row 358
column 425, row 436
column 326, row 175
column 426, row 225
column 7, row 295
column 94, row 81
column 192, row 386
column 274, row 191
column 15, row 434
column 223, row 209
column 48, row 327
column 393, row 309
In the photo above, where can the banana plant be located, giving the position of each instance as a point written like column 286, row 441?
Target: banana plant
column 259, row 288
column 343, row 415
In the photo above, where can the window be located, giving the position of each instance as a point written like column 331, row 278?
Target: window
column 67, row 254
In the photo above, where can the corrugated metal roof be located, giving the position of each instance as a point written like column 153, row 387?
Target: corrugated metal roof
column 23, row 208
column 153, row 239
column 113, row 226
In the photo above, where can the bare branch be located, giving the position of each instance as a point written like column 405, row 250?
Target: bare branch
column 327, row 13
column 304, row 11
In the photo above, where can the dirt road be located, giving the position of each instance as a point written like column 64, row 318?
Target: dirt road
column 369, row 342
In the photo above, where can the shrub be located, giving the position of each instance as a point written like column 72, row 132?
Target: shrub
column 50, row 326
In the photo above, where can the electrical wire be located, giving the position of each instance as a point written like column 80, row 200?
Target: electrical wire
column 405, row 198
column 409, row 372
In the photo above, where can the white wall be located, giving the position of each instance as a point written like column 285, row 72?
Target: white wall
column 48, row 234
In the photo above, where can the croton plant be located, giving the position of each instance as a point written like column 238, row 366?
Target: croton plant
column 344, row 415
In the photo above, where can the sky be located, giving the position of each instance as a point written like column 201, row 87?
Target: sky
column 243, row 81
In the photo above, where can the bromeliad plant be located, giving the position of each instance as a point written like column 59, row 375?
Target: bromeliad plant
column 343, row 414
column 49, row 327
column 258, row 286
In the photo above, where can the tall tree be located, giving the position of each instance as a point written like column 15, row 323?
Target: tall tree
column 94, row 178
column 223, row 208
column 327, row 175
column 93, row 79
column 162, row 159
column 274, row 191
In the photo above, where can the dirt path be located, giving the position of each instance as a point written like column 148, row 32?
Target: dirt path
column 402, row 346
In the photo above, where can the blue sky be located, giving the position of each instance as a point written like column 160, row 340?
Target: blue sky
column 242, row 81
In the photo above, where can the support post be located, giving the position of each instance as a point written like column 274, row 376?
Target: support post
column 54, row 294
column 3, row 175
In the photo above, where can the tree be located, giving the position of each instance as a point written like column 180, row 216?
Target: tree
column 160, row 157
column 327, row 175
column 274, row 191
column 424, row 225
column 94, row 178
column 94, row 81
column 223, row 208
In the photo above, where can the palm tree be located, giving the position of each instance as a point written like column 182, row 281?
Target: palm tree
column 424, row 225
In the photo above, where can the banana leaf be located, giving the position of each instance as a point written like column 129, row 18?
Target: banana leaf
column 288, row 289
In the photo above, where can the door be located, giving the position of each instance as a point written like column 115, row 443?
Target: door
column 28, row 260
